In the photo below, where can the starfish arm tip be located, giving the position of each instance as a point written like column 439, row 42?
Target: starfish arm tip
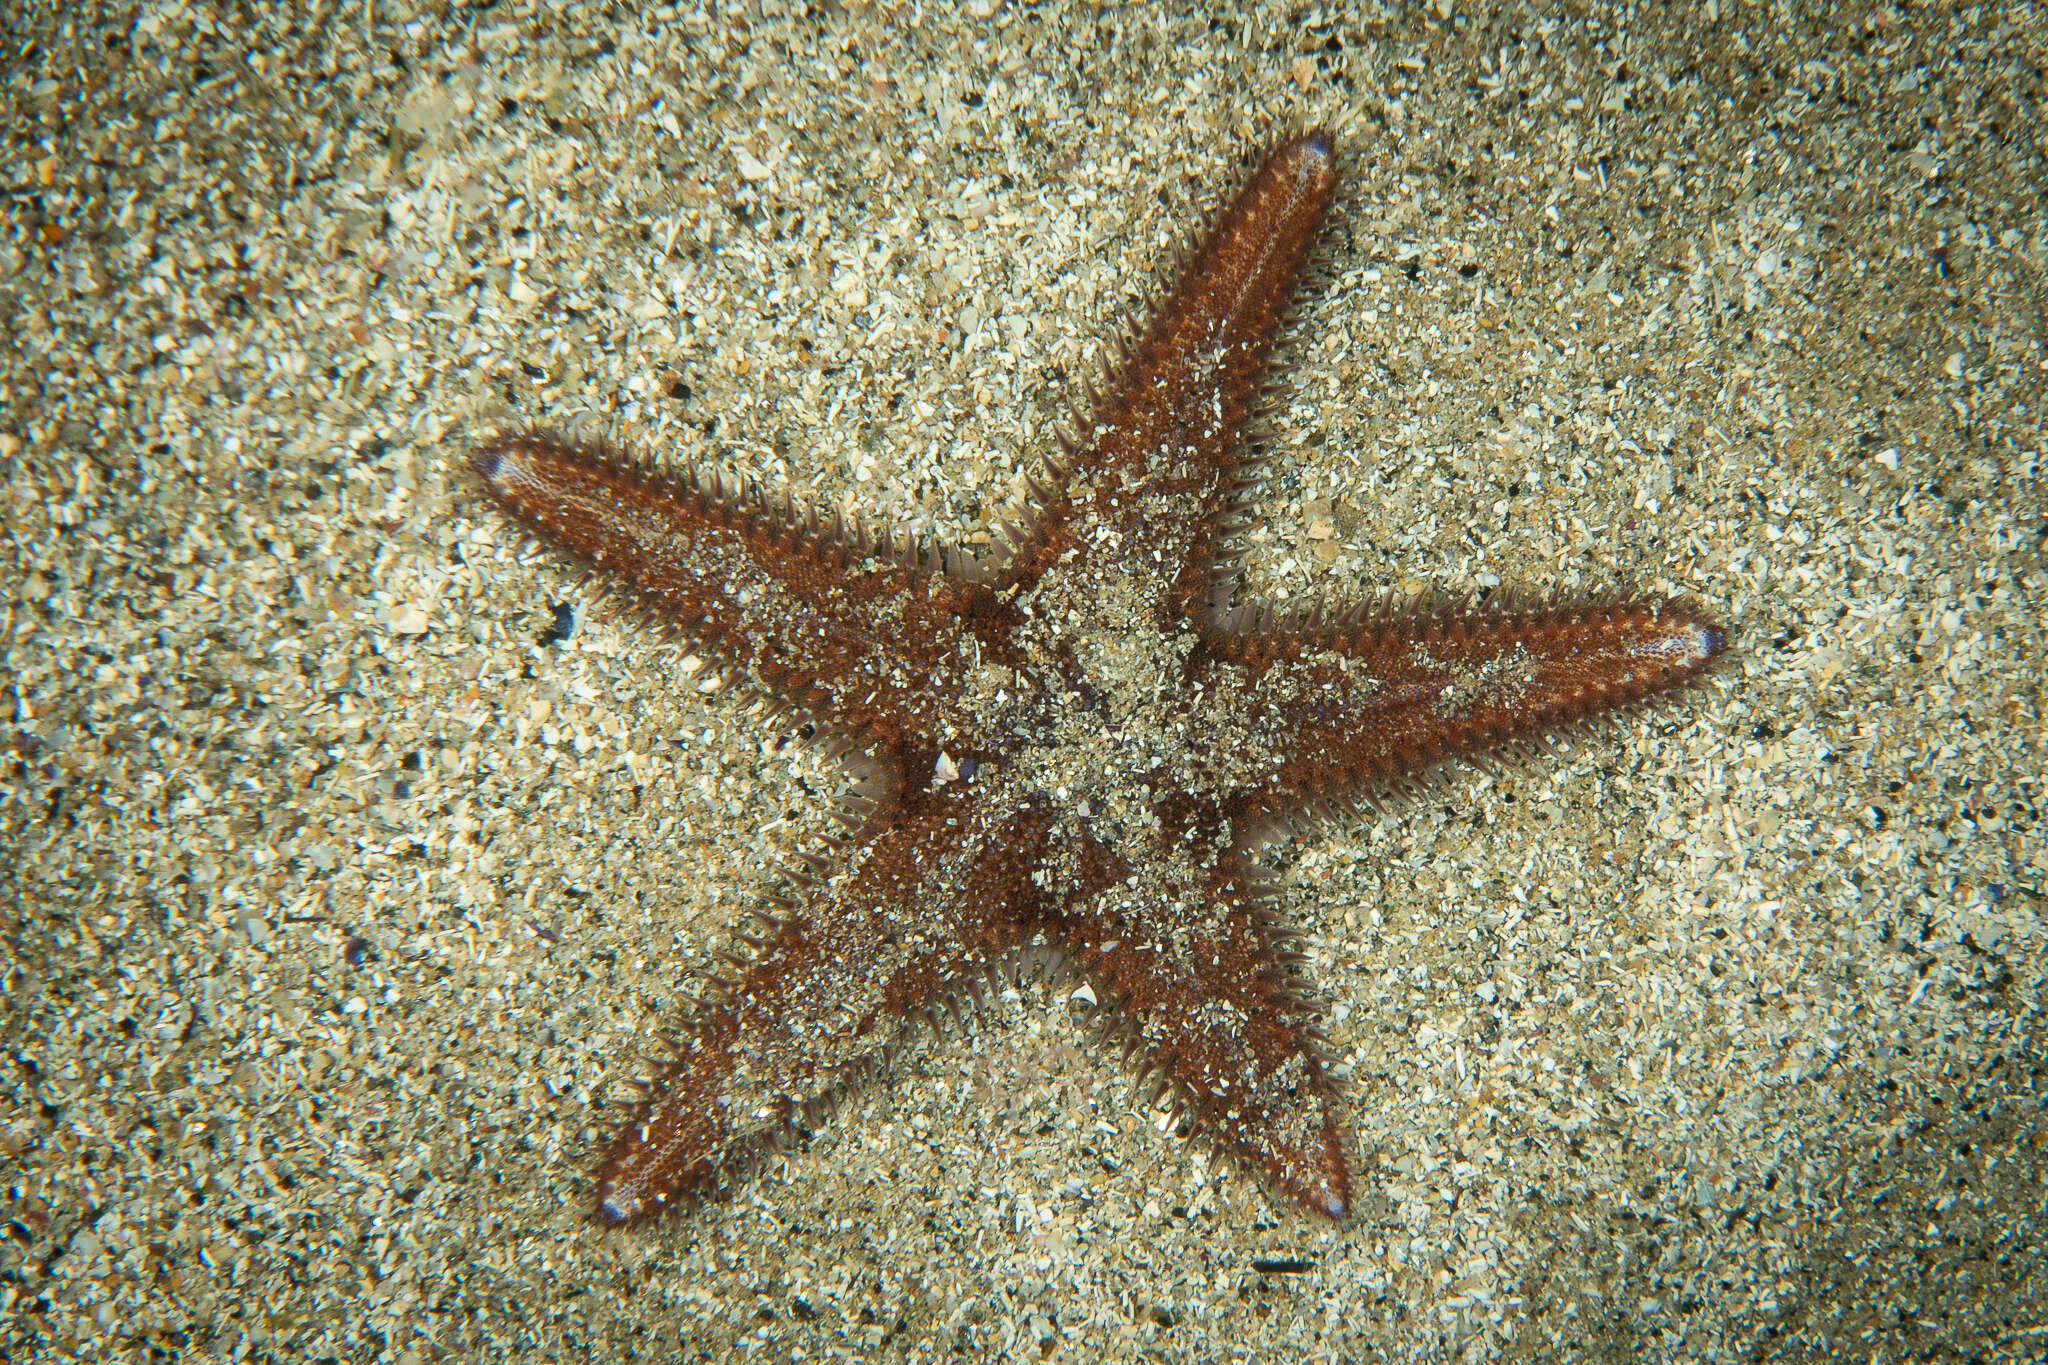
column 615, row 1210
column 1318, row 142
column 487, row 461
column 1710, row 640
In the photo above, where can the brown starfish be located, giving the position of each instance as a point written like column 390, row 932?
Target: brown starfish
column 1073, row 752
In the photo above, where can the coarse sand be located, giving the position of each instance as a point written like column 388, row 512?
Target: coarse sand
column 352, row 857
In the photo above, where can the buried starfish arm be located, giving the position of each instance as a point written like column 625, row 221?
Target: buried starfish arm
column 864, row 646
column 1196, row 987
column 826, row 997
column 1363, row 706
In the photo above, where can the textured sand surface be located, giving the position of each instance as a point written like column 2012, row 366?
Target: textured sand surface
column 341, row 893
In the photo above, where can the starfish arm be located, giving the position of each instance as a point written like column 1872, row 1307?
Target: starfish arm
column 1192, row 975
column 865, row 648
column 827, row 997
column 1158, row 470
column 1356, row 706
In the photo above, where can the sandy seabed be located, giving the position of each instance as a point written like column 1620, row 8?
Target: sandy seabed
column 343, row 894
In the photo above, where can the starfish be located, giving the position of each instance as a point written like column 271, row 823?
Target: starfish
column 1070, row 752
